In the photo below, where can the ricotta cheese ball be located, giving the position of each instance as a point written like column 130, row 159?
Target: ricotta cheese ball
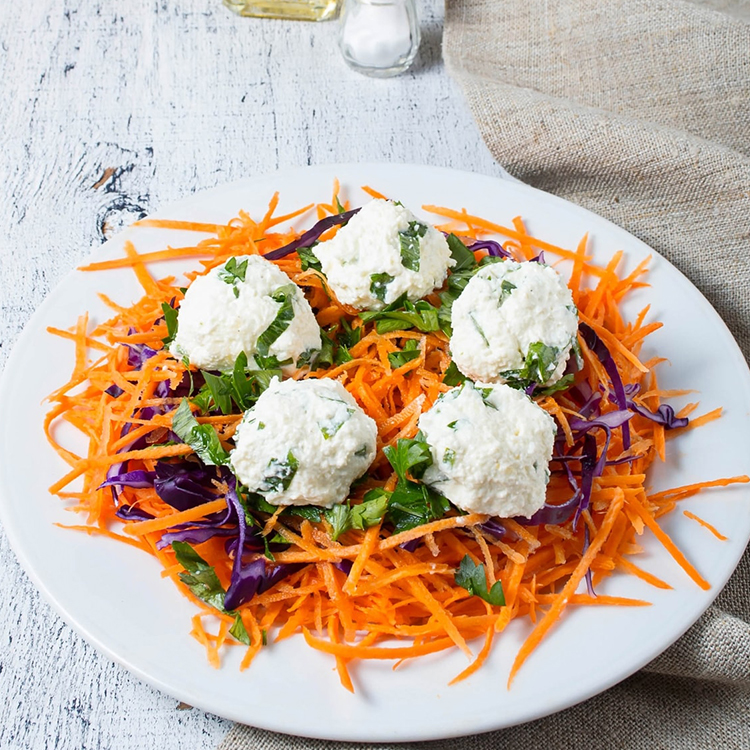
column 247, row 305
column 304, row 443
column 383, row 252
column 491, row 446
column 513, row 320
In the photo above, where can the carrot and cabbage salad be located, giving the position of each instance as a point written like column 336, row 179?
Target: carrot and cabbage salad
column 396, row 572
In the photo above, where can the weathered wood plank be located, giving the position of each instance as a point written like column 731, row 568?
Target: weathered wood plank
column 110, row 110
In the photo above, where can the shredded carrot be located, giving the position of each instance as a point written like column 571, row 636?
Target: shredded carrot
column 371, row 587
column 706, row 525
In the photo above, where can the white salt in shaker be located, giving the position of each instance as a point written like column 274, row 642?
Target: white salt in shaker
column 379, row 37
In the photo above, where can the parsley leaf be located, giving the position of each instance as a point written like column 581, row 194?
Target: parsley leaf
column 472, row 578
column 403, row 315
column 170, row 318
column 340, row 520
column 371, row 510
column 279, row 474
column 464, row 258
column 412, row 505
column 200, row 577
column 410, row 456
column 309, row 259
column 539, row 365
column 202, row 438
column 284, row 296
column 453, row 376
column 239, row 631
column 233, row 273
column 407, row 354
column 409, row 240
column 220, row 389
column 379, row 285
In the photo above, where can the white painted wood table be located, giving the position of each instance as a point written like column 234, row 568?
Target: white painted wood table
column 108, row 111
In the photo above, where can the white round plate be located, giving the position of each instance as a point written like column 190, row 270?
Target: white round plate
column 114, row 597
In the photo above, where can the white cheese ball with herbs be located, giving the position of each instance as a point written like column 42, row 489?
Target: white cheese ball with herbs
column 304, row 443
column 382, row 253
column 491, row 446
column 505, row 309
column 230, row 310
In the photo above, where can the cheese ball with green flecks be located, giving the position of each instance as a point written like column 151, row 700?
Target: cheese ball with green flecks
column 514, row 323
column 304, row 443
column 246, row 305
column 491, row 446
column 383, row 253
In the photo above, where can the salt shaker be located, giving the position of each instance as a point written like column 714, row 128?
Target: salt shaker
column 379, row 37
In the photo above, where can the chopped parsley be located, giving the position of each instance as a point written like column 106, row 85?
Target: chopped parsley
column 472, row 577
column 202, row 438
column 379, row 285
column 409, row 241
column 233, row 273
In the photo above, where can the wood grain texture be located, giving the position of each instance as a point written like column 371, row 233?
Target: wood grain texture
column 110, row 110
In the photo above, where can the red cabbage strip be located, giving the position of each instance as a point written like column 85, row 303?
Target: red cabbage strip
column 599, row 348
column 183, row 485
column 138, row 479
column 589, row 581
column 193, row 535
column 664, row 415
column 131, row 513
column 249, row 580
column 493, row 248
column 311, row 235
column 495, row 527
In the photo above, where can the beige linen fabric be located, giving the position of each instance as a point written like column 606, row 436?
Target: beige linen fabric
column 640, row 111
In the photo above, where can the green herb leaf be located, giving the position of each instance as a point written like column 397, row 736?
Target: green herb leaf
column 284, row 296
column 372, row 509
column 565, row 382
column 407, row 354
column 220, row 387
column 464, row 258
column 449, row 456
column 403, row 315
column 202, row 438
column 379, row 285
column 340, row 520
column 309, row 259
column 339, row 208
column 472, row 578
column 239, row 631
column 411, row 456
column 453, row 376
column 233, row 273
column 409, row 240
column 279, row 474
column 506, row 287
column 412, row 505
column 200, row 577
column 540, row 363
column 170, row 318
column 309, row 512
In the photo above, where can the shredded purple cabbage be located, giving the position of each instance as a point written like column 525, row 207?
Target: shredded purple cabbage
column 495, row 527
column 539, row 258
column 588, row 578
column 493, row 248
column 311, row 235
column 603, row 354
column 344, row 566
column 114, row 390
column 183, row 487
column 137, row 479
column 664, row 415
column 131, row 513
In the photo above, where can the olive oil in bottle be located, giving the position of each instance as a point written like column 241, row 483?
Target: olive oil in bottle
column 300, row 10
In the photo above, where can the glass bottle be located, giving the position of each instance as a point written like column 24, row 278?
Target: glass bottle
column 379, row 37
column 300, row 10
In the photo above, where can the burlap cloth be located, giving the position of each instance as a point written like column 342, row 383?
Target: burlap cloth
column 640, row 111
